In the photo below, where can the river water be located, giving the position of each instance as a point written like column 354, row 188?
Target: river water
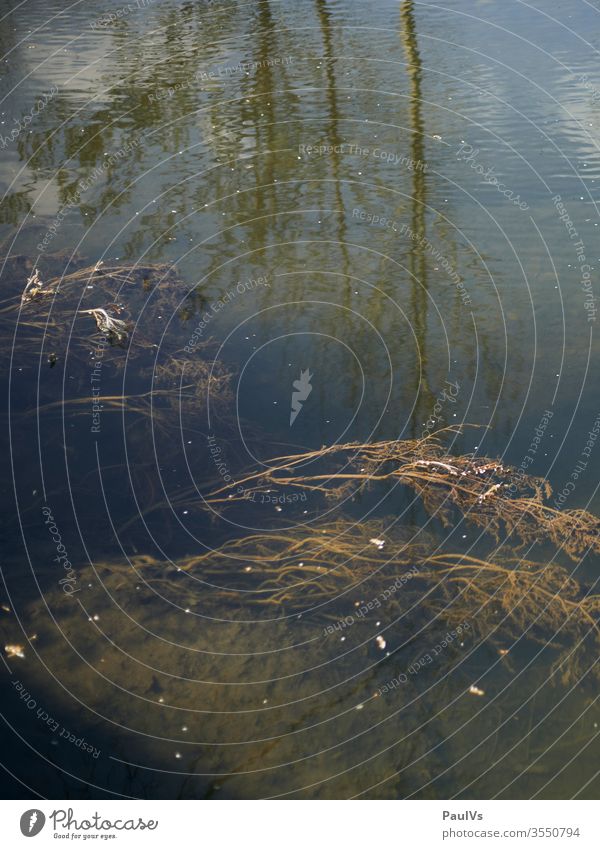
column 384, row 211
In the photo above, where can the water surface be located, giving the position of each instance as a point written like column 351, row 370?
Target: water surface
column 316, row 181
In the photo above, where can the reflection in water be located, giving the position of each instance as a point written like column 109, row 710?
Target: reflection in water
column 238, row 626
column 418, row 265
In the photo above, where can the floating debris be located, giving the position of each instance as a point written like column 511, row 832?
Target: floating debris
column 381, row 643
column 378, row 542
column 116, row 329
column 13, row 650
column 489, row 492
column 476, row 691
column 438, row 464
column 34, row 287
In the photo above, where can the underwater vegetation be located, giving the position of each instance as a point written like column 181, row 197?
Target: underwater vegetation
column 309, row 573
column 302, row 570
column 48, row 312
column 498, row 498
column 305, row 566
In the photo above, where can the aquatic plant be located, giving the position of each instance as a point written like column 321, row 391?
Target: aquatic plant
column 315, row 570
column 115, row 329
column 496, row 497
column 34, row 288
column 174, row 379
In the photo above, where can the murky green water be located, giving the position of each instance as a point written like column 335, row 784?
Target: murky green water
column 399, row 198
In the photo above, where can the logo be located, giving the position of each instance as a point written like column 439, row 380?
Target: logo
column 32, row 822
column 303, row 389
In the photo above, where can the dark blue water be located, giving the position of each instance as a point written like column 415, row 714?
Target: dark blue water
column 396, row 198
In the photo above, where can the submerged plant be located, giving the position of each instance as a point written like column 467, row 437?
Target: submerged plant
column 317, row 569
column 500, row 499
column 115, row 329
column 34, row 288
